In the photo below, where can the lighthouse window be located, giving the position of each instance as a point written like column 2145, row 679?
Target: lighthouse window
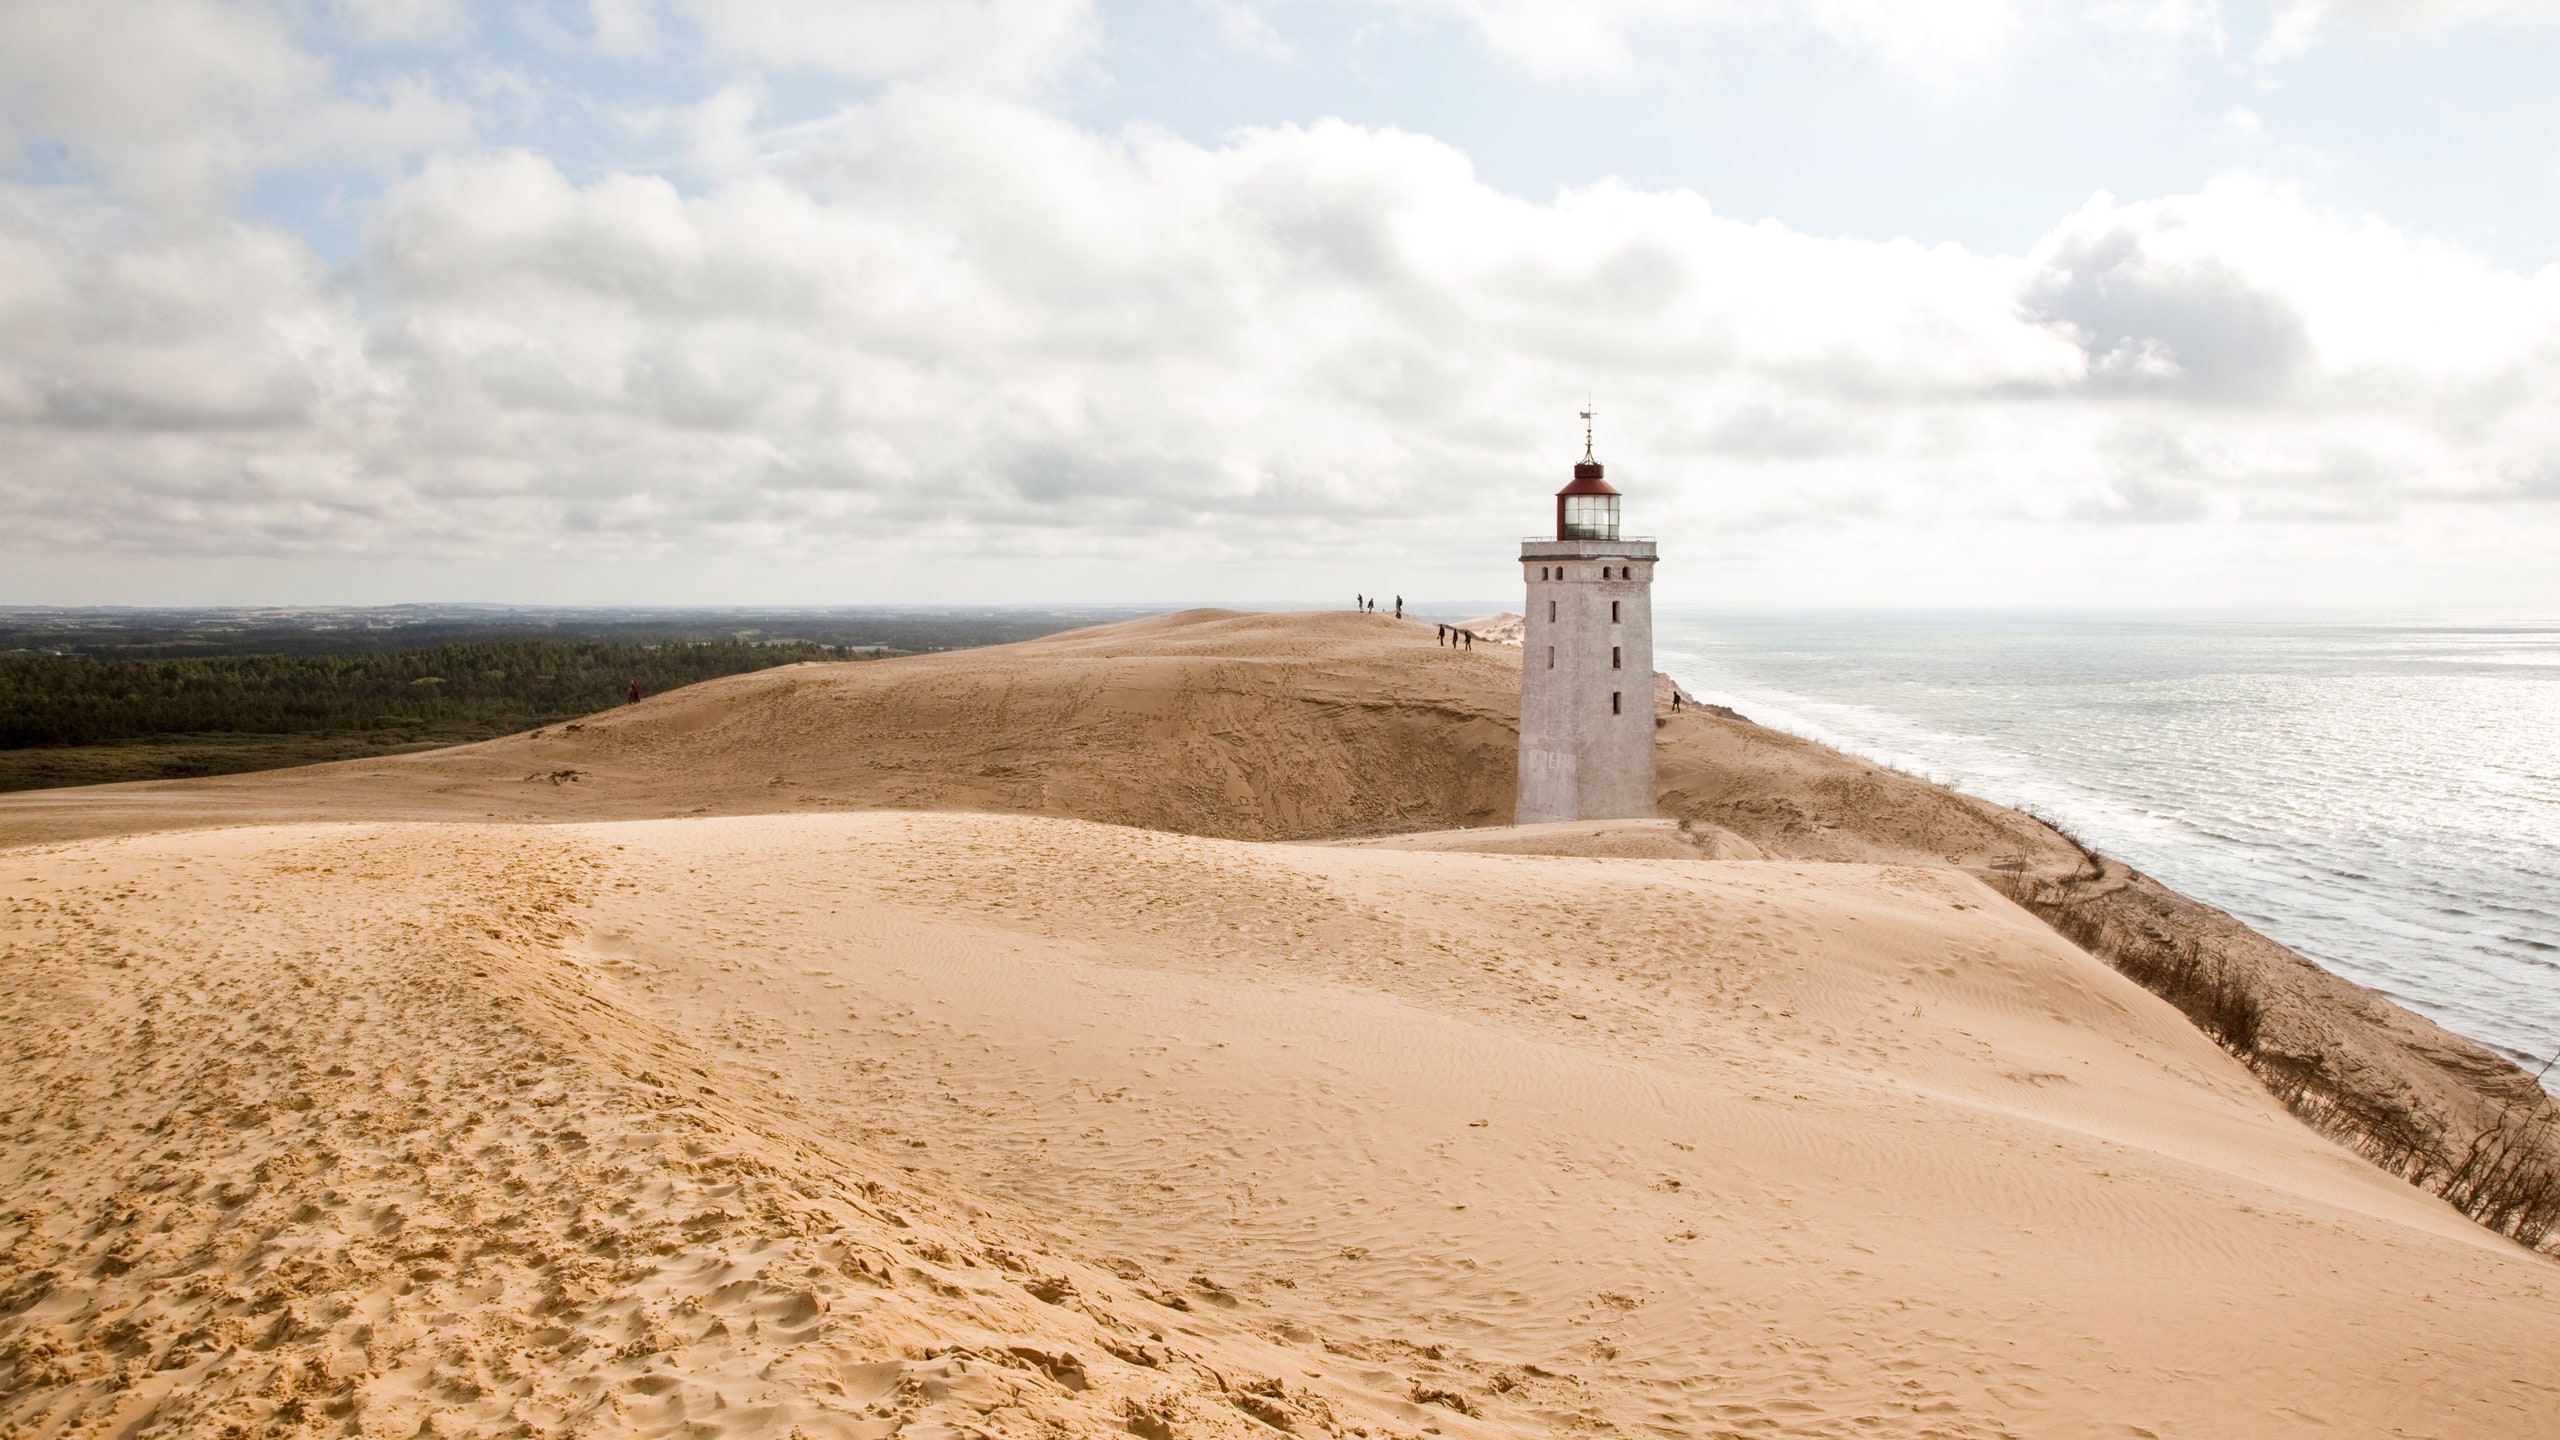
column 1551, row 657
column 1613, row 703
column 1590, row 517
column 1551, row 612
column 1613, row 612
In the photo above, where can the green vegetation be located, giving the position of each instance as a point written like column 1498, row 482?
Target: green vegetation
column 134, row 634
column 91, row 696
column 180, row 757
column 70, row 720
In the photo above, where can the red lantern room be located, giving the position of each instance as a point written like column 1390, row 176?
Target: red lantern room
column 1587, row 509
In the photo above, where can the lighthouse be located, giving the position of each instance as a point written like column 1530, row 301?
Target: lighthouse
column 1586, row 668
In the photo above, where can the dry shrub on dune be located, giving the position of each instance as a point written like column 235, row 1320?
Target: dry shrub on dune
column 2491, row 1150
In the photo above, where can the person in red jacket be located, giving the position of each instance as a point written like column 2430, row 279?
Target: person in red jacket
column 635, row 692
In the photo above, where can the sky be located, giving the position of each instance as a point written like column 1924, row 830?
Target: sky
column 2107, row 305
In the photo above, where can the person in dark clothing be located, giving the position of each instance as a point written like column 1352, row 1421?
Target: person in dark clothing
column 635, row 693
column 1399, row 607
column 1440, row 634
column 1471, row 638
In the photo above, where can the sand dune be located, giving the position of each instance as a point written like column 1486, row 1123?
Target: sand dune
column 1250, row 726
column 821, row 1064
column 1619, row 839
column 947, row 1125
column 1306, row 726
column 1261, row 727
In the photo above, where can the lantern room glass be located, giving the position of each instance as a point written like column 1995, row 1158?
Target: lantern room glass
column 1590, row 517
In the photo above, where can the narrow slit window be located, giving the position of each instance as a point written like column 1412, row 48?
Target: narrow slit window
column 1614, row 660
column 1613, row 612
column 1551, row 612
column 1613, row 703
column 1551, row 657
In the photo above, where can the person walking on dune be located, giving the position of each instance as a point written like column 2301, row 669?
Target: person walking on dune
column 635, row 694
column 1399, row 607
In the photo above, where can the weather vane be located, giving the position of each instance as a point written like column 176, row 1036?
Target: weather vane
column 1588, row 411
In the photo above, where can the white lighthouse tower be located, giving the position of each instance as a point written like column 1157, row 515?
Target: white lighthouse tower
column 1586, row 671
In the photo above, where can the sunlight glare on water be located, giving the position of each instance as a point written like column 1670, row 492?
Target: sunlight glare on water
column 2382, row 797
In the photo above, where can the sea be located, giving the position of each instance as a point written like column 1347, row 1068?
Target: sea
column 2381, row 794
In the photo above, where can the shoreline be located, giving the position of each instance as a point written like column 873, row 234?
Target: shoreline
column 2312, row 777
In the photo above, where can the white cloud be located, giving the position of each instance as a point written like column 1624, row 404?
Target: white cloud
column 1002, row 339
column 999, row 43
column 945, row 315
column 624, row 28
column 1244, row 26
column 2297, row 25
column 1935, row 44
column 393, row 22
column 168, row 392
column 2260, row 285
column 1942, row 46
column 2168, row 19
column 183, row 101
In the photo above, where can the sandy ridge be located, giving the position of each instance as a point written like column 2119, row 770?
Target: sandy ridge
column 806, row 1112
column 880, row 1124
column 1314, row 726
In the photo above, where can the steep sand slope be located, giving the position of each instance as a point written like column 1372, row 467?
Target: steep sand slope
column 937, row 1125
column 1307, row 726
